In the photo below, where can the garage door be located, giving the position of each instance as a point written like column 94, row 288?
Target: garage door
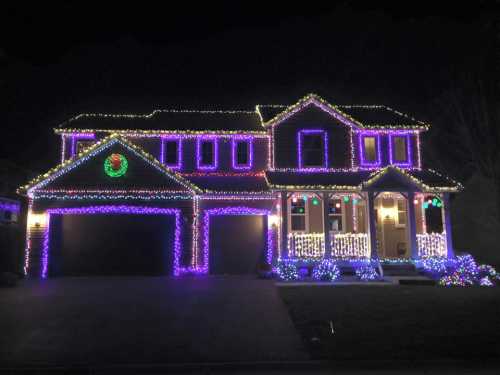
column 237, row 244
column 111, row 245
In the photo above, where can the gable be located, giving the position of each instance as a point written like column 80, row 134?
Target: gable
column 87, row 171
column 391, row 179
column 311, row 117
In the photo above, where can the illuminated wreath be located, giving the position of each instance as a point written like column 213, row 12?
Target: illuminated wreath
column 115, row 165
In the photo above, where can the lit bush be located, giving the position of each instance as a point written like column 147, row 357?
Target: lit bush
column 326, row 270
column 457, row 279
column 367, row 273
column 434, row 265
column 466, row 265
column 485, row 281
column 287, row 270
column 485, row 270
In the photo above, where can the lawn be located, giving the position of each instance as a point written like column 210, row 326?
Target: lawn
column 397, row 322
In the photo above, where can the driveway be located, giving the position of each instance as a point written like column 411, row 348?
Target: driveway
column 144, row 320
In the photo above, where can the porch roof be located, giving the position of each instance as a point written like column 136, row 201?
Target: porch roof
column 233, row 183
column 423, row 180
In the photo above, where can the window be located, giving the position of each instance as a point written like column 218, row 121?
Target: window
column 400, row 149
column 206, row 151
column 298, row 214
column 172, row 153
column 401, row 215
column 242, row 153
column 82, row 145
column 370, row 154
column 335, row 215
column 312, row 148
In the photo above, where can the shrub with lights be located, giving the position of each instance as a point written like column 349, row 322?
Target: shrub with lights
column 367, row 273
column 287, row 270
column 435, row 266
column 326, row 270
column 466, row 272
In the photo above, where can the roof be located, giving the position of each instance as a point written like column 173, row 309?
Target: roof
column 179, row 120
column 363, row 116
column 171, row 120
column 326, row 180
column 230, row 183
column 89, row 152
column 426, row 180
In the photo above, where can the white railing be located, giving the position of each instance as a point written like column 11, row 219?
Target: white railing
column 306, row 245
column 431, row 244
column 349, row 245
column 311, row 245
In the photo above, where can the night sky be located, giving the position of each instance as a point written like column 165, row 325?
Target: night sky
column 57, row 61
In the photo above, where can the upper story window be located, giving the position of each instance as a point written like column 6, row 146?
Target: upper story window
column 312, row 148
column 206, row 153
column 370, row 150
column 242, row 153
column 82, row 145
column 399, row 150
column 171, row 152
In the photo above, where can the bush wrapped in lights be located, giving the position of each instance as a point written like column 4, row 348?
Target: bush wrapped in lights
column 287, row 270
column 464, row 272
column 485, row 281
column 435, row 266
column 326, row 270
column 367, row 273
column 485, row 270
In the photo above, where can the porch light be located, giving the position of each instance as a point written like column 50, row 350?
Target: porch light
column 37, row 220
column 272, row 220
column 415, row 201
column 388, row 212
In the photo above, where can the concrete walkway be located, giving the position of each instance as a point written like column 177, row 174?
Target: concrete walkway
column 144, row 320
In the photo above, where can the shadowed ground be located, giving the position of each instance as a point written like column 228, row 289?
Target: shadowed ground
column 144, row 320
column 397, row 322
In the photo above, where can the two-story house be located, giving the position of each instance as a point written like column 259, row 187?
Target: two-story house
column 185, row 191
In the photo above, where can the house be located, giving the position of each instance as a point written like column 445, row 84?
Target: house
column 215, row 192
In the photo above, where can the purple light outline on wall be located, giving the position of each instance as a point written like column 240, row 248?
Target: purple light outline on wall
column 77, row 136
column 234, row 152
column 300, row 135
column 224, row 211
column 363, row 162
column 406, row 135
column 215, row 149
column 177, row 165
column 15, row 207
column 127, row 210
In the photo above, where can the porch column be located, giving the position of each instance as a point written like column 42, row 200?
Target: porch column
column 284, row 225
column 326, row 225
column 372, row 225
column 447, row 225
column 412, row 225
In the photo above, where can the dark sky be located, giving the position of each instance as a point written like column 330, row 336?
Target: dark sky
column 60, row 60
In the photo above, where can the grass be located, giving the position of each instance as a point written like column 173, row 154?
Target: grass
column 397, row 322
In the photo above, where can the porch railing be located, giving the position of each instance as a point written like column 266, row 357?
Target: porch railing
column 351, row 245
column 431, row 244
column 306, row 245
column 311, row 245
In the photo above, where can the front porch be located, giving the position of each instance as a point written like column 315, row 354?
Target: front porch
column 390, row 226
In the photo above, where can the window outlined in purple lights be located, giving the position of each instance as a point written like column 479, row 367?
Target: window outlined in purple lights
column 199, row 153
column 234, row 152
column 402, row 164
column 300, row 156
column 178, row 140
column 362, row 152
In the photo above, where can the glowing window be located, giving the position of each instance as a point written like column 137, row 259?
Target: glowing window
column 370, row 152
column 400, row 149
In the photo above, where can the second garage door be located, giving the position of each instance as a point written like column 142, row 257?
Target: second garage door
column 237, row 244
